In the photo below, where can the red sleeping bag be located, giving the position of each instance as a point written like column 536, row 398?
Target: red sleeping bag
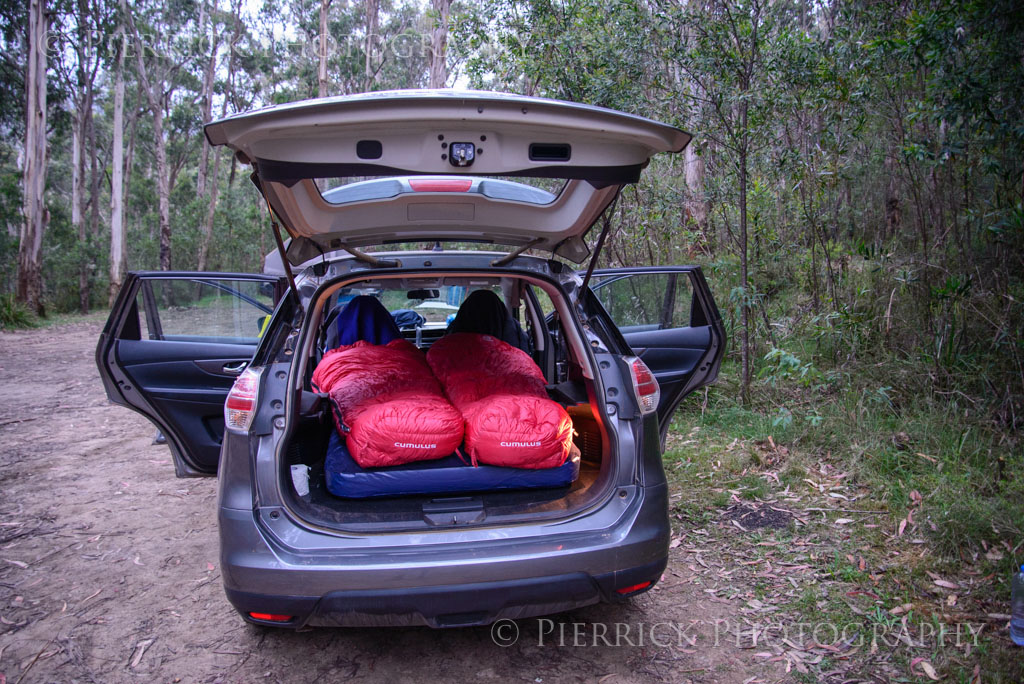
column 500, row 392
column 388, row 405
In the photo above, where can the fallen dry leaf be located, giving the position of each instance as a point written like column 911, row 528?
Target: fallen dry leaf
column 929, row 670
column 994, row 554
column 900, row 610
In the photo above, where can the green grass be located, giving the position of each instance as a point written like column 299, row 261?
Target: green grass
column 13, row 314
column 948, row 461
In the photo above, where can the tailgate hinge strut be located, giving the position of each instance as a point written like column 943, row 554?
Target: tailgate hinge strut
column 284, row 256
column 600, row 239
column 501, row 261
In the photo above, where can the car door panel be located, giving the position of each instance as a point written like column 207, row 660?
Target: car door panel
column 668, row 318
column 177, row 365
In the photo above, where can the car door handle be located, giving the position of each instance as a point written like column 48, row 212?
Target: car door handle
column 235, row 368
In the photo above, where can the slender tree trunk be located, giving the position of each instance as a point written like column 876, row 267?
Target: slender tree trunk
column 207, row 230
column 697, row 206
column 322, row 49
column 892, row 200
column 77, row 183
column 117, row 233
column 89, row 236
column 158, row 93
column 204, row 244
column 372, row 26
column 129, row 156
column 163, row 185
column 30, row 285
column 207, row 98
column 439, row 44
column 744, row 256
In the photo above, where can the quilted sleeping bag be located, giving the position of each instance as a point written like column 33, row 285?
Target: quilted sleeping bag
column 499, row 390
column 387, row 404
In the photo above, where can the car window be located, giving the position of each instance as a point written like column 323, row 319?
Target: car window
column 436, row 305
column 647, row 301
column 201, row 309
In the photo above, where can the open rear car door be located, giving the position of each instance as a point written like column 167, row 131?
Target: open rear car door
column 668, row 317
column 172, row 347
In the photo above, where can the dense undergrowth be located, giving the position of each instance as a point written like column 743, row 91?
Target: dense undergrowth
column 925, row 431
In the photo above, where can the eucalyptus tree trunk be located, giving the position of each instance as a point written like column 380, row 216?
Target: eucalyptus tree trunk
column 88, row 236
column 697, row 208
column 322, row 50
column 206, row 98
column 163, row 184
column 439, row 44
column 117, row 232
column 372, row 26
column 77, row 183
column 744, row 259
column 207, row 230
column 30, row 285
column 157, row 93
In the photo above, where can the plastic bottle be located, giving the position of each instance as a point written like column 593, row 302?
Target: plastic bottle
column 1017, row 608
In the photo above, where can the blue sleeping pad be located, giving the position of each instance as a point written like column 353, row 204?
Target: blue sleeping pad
column 441, row 476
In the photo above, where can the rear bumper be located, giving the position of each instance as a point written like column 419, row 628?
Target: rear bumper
column 461, row 605
column 391, row 588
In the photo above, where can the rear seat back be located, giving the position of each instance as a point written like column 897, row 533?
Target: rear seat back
column 363, row 318
column 484, row 313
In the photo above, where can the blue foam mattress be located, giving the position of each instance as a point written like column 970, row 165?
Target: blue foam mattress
column 441, row 476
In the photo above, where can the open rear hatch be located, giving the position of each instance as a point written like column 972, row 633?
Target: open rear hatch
column 450, row 133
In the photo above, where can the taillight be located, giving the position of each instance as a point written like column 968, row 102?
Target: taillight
column 633, row 588
column 648, row 394
column 240, row 406
column 270, row 617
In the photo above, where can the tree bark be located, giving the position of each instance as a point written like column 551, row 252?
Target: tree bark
column 157, row 97
column 322, row 50
column 697, row 206
column 439, row 44
column 77, row 181
column 372, row 26
column 744, row 258
column 207, row 229
column 207, row 98
column 117, row 233
column 163, row 185
column 30, row 285
column 88, row 237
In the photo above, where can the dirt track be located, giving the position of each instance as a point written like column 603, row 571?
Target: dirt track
column 108, row 570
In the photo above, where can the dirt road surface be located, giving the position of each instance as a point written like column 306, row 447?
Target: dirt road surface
column 109, row 570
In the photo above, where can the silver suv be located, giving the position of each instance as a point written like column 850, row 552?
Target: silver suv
column 392, row 195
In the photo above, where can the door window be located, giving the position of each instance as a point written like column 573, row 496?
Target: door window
column 205, row 309
column 647, row 301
